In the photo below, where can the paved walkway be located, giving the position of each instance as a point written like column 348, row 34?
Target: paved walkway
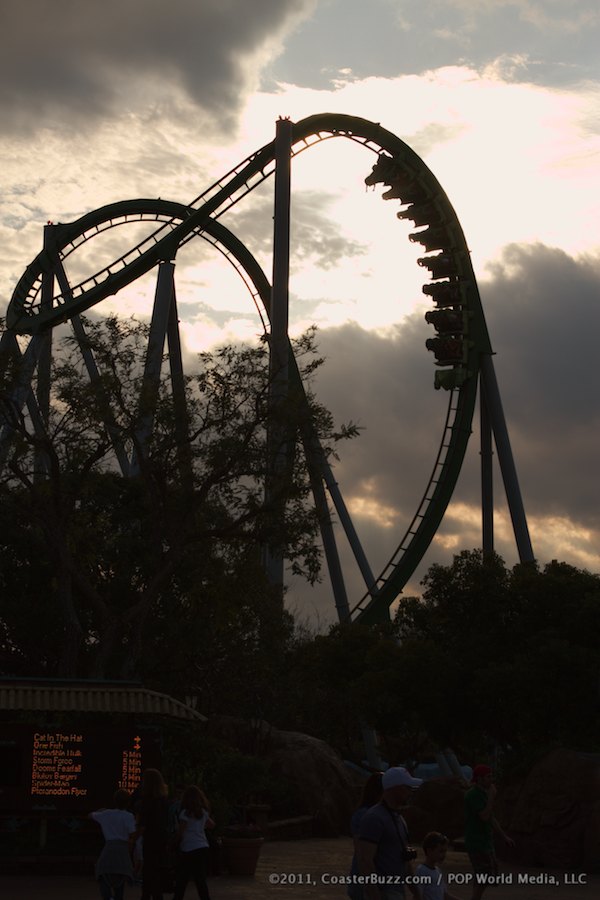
column 305, row 870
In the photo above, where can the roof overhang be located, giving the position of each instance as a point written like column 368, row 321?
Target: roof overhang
column 64, row 696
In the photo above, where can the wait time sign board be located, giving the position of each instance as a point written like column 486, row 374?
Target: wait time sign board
column 62, row 768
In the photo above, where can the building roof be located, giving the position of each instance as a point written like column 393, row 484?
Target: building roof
column 92, row 696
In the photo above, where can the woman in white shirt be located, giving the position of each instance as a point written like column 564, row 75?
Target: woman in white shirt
column 114, row 868
column 192, row 859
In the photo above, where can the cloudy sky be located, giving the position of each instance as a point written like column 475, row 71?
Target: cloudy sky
column 501, row 98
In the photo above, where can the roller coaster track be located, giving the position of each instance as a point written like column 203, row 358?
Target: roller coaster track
column 453, row 288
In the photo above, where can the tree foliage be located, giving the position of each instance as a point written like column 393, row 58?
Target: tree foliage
column 151, row 573
column 487, row 657
column 157, row 574
column 517, row 661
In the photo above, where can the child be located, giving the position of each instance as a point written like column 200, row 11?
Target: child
column 192, row 861
column 432, row 885
column 114, row 868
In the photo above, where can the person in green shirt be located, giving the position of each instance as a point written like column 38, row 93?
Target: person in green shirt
column 480, row 825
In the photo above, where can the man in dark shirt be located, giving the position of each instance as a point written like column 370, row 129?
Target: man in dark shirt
column 480, row 825
column 382, row 846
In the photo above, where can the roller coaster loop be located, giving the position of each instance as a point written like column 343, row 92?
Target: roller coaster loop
column 44, row 298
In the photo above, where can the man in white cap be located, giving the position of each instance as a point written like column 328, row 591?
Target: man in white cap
column 382, row 848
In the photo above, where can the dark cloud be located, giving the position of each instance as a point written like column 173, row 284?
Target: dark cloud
column 543, row 312
column 542, row 41
column 386, row 384
column 62, row 60
column 544, row 316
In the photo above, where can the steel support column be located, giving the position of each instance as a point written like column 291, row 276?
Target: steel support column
column 182, row 435
column 315, row 462
column 153, row 364
column 349, row 529
column 277, row 441
column 506, row 460
column 21, row 393
column 44, row 366
column 487, row 478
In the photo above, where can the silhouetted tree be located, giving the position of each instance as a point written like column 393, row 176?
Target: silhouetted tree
column 123, row 576
column 486, row 657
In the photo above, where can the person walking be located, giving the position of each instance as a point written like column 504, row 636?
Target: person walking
column 430, row 879
column 153, row 820
column 371, row 794
column 114, row 867
column 480, row 824
column 192, row 859
column 382, row 847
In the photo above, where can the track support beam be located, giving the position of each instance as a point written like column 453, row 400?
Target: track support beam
column 493, row 403
column 278, row 448
column 154, row 354
column 487, row 478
